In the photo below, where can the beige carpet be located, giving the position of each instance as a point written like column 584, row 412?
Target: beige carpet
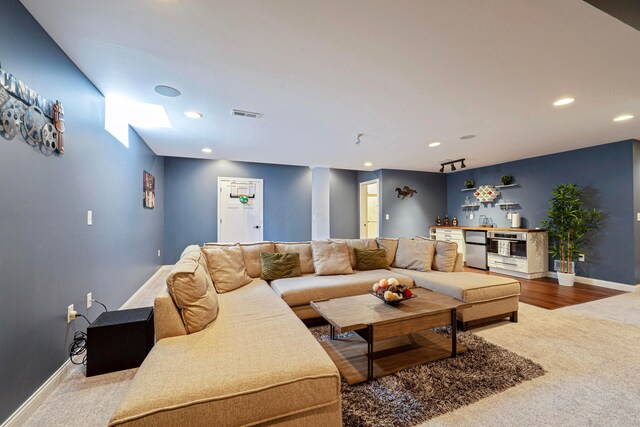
column 591, row 353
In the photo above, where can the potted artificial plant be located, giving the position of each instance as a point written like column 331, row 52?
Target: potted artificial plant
column 568, row 224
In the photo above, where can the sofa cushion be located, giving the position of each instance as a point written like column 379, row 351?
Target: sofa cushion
column 371, row 259
column 414, row 254
column 302, row 290
column 352, row 244
column 251, row 255
column 330, row 258
column 470, row 287
column 226, row 267
column 192, row 291
column 389, row 245
column 280, row 266
column 445, row 259
column 303, row 248
column 259, row 363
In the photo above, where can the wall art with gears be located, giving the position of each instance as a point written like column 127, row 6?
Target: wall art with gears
column 27, row 115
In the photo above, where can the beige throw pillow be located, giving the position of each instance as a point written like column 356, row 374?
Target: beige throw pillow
column 331, row 258
column 353, row 244
column 414, row 254
column 446, row 253
column 226, row 267
column 302, row 248
column 389, row 245
column 192, row 290
column 251, row 255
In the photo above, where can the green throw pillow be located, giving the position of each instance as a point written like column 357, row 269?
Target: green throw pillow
column 371, row 259
column 280, row 266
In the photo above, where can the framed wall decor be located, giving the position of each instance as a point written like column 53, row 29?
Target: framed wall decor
column 149, row 188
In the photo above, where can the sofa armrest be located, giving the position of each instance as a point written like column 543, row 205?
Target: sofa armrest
column 459, row 264
column 167, row 319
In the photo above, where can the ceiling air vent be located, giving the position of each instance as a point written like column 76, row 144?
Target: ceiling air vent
column 248, row 114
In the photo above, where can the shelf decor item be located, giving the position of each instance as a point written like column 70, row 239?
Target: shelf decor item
column 486, row 193
column 469, row 183
column 506, row 179
column 568, row 224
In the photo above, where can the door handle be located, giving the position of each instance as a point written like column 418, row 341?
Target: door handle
column 257, row 226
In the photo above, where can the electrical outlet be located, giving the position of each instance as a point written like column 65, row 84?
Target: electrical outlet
column 581, row 257
column 89, row 217
column 71, row 314
column 386, row 216
column 89, row 300
column 158, row 252
column 638, row 216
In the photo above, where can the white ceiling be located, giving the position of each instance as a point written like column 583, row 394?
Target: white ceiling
column 404, row 73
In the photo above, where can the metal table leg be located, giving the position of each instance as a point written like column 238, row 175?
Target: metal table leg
column 454, row 333
column 370, row 353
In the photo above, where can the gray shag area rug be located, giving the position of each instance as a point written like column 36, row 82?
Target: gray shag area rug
column 422, row 392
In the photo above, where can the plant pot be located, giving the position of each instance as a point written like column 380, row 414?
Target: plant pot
column 566, row 279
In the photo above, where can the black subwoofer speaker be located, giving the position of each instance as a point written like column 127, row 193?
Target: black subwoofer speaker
column 119, row 340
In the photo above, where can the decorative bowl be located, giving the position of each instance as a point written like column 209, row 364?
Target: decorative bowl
column 395, row 301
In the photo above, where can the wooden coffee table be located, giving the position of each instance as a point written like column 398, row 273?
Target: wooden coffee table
column 389, row 338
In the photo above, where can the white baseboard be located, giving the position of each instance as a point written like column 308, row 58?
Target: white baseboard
column 143, row 287
column 26, row 410
column 600, row 283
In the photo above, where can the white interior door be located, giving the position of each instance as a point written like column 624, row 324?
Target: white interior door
column 240, row 210
column 369, row 209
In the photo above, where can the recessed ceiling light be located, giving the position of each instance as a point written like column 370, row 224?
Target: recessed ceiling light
column 207, row 150
column 368, row 164
column 623, row 118
column 434, row 144
column 193, row 114
column 169, row 91
column 563, row 101
column 470, row 136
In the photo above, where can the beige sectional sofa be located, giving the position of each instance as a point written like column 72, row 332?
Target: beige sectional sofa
column 256, row 362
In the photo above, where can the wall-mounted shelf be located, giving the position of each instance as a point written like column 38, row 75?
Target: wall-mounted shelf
column 507, row 204
column 469, row 206
column 468, row 189
column 507, row 186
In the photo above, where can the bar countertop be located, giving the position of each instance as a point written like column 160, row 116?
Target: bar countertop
column 478, row 228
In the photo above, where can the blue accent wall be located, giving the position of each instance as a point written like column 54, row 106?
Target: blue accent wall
column 411, row 216
column 49, row 257
column 191, row 207
column 605, row 172
column 344, row 204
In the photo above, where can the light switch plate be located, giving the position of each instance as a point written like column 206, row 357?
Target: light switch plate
column 89, row 300
column 158, row 252
column 638, row 216
column 386, row 216
column 89, row 217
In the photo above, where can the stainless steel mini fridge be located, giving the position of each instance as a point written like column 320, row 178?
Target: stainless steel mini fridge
column 476, row 245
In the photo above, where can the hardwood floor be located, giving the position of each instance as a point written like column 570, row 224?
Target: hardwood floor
column 546, row 293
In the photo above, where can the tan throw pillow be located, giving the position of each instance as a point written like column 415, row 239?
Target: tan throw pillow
column 414, row 254
column 192, row 290
column 352, row 244
column 251, row 255
column 302, row 248
column 189, row 249
column 226, row 267
column 372, row 259
column 280, row 266
column 331, row 258
column 389, row 245
column 446, row 253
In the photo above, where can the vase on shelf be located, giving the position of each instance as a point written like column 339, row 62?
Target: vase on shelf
column 446, row 220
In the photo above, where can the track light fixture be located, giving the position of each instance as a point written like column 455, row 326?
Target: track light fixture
column 453, row 166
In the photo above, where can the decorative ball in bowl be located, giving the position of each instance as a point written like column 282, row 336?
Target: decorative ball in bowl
column 391, row 291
